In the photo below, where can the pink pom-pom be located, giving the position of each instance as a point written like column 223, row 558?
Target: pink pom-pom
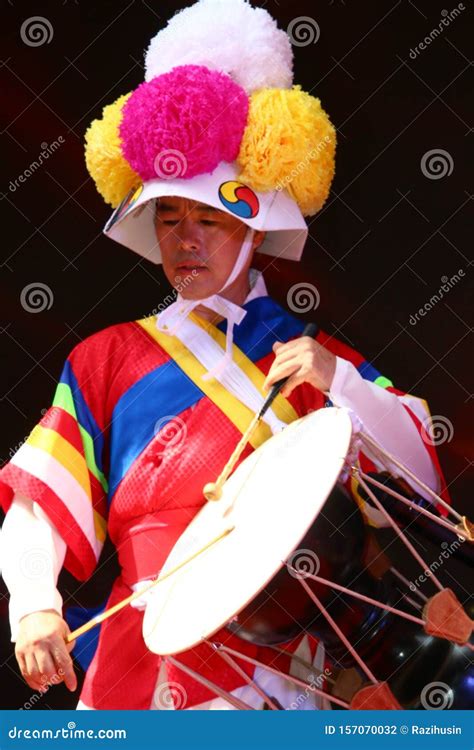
column 183, row 123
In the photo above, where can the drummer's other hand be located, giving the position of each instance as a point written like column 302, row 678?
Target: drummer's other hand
column 305, row 361
column 42, row 652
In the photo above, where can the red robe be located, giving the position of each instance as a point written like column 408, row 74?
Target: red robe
column 101, row 455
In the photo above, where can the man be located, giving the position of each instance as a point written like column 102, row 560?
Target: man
column 147, row 412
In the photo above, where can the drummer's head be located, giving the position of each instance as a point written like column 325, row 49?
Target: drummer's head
column 199, row 246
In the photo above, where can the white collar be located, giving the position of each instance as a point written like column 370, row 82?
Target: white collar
column 224, row 369
column 258, row 288
column 171, row 320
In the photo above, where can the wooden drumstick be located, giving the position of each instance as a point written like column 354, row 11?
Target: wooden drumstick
column 120, row 605
column 213, row 490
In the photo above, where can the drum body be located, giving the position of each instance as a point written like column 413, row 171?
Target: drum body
column 284, row 504
column 396, row 650
column 268, row 504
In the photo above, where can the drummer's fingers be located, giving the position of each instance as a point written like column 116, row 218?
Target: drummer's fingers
column 291, row 384
column 48, row 670
column 284, row 359
column 32, row 672
column 303, row 353
column 21, row 662
column 278, row 371
column 300, row 344
column 21, row 659
column 285, row 355
column 64, row 664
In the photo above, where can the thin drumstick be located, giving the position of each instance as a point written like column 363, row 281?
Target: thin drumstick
column 213, row 490
column 120, row 605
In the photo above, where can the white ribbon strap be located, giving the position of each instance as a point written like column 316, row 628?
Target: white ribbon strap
column 171, row 320
column 175, row 321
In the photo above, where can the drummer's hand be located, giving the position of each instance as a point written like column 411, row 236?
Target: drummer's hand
column 305, row 361
column 42, row 652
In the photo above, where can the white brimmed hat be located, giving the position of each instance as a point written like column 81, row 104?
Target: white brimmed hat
column 223, row 126
column 133, row 223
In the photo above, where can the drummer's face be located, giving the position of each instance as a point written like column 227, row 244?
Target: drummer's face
column 199, row 246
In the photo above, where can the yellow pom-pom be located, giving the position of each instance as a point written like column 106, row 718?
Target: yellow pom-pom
column 289, row 143
column 105, row 162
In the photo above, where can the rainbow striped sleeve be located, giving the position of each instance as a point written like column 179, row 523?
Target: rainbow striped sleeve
column 369, row 372
column 59, row 466
column 416, row 406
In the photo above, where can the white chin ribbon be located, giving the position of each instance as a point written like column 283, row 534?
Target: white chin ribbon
column 172, row 319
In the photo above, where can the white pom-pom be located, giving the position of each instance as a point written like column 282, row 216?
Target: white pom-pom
column 225, row 35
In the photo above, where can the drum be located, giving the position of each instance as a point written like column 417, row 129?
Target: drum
column 290, row 556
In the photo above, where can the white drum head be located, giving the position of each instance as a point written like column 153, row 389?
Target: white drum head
column 270, row 500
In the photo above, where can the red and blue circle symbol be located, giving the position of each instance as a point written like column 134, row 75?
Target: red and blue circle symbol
column 239, row 199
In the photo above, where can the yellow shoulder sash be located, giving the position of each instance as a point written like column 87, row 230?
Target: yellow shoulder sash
column 239, row 414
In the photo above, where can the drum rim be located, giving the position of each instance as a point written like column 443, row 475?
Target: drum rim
column 346, row 424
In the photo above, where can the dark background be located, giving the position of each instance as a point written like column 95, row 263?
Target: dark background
column 376, row 252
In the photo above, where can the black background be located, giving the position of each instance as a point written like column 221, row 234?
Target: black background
column 376, row 252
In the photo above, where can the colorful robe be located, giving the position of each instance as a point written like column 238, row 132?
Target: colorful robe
column 126, row 449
